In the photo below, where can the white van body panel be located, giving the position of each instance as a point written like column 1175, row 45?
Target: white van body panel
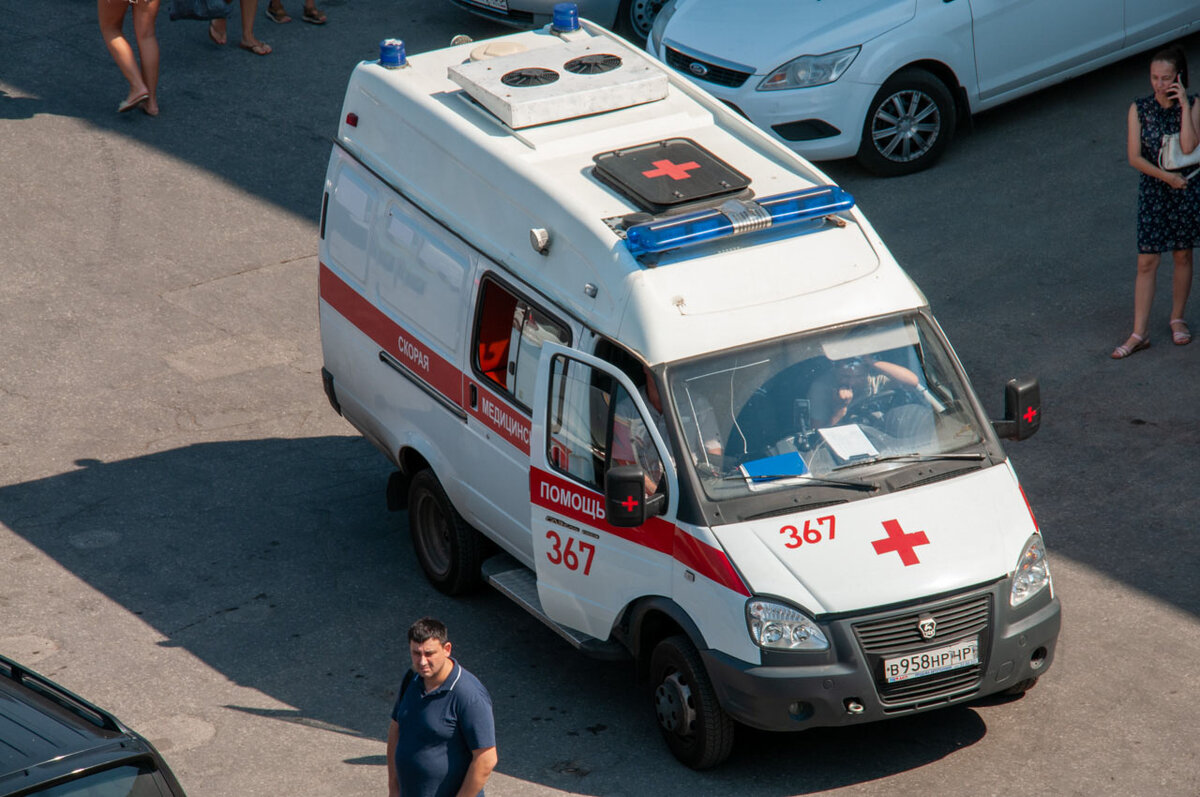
column 971, row 531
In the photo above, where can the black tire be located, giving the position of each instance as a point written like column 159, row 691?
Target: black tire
column 909, row 124
column 695, row 727
column 635, row 17
column 449, row 550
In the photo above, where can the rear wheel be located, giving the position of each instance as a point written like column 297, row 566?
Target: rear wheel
column 908, row 125
column 449, row 550
column 695, row 727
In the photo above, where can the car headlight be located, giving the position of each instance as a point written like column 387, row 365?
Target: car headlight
column 810, row 70
column 1032, row 573
column 782, row 627
column 660, row 22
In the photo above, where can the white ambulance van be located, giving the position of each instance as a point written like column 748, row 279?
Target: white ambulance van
column 656, row 379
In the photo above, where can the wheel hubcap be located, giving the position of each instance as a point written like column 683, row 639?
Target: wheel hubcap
column 673, row 704
column 434, row 535
column 642, row 13
column 906, row 125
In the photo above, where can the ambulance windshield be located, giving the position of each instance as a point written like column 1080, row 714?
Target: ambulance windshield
column 822, row 408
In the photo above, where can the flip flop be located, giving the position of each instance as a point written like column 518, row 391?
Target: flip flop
column 129, row 105
column 1123, row 351
column 279, row 16
column 258, row 48
column 314, row 16
column 212, row 34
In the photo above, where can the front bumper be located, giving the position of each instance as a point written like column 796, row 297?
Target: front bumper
column 846, row 685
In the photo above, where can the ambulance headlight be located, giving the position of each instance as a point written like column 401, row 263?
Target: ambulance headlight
column 810, row 70
column 782, row 627
column 1032, row 574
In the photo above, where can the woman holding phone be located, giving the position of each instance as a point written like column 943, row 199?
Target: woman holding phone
column 1168, row 203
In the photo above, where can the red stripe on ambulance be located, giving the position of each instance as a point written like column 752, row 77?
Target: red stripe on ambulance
column 556, row 494
column 500, row 417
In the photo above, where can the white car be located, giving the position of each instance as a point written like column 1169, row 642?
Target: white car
column 632, row 18
column 888, row 81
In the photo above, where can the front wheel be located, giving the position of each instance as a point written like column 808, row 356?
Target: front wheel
column 636, row 17
column 449, row 550
column 695, row 727
column 908, row 125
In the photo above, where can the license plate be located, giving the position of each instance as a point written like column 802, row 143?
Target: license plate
column 929, row 662
column 497, row 5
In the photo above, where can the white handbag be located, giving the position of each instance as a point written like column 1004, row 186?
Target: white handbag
column 1171, row 156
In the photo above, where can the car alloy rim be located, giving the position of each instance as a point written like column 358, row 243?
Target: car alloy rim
column 906, row 125
column 642, row 13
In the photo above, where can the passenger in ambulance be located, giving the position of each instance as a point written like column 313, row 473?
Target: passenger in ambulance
column 632, row 443
column 842, row 393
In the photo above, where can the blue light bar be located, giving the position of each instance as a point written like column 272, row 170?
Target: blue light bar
column 736, row 217
column 565, row 18
column 391, row 54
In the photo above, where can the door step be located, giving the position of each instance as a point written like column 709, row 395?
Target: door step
column 519, row 583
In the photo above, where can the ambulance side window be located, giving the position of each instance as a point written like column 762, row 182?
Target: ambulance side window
column 594, row 424
column 509, row 333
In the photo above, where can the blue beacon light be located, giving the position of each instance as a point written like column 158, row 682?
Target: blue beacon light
column 565, row 18
column 391, row 54
column 735, row 218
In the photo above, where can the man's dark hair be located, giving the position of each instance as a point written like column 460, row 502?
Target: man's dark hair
column 428, row 628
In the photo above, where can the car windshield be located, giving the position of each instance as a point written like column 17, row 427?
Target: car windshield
column 823, row 408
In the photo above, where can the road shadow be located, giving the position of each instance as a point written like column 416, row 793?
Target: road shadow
column 276, row 563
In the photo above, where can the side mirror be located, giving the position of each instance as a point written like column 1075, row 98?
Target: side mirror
column 1022, row 409
column 625, row 502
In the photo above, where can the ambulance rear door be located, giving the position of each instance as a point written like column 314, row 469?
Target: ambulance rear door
column 585, row 413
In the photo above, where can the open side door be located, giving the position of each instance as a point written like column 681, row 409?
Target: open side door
column 587, row 417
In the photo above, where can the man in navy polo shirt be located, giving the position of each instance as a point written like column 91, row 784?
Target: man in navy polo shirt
column 442, row 738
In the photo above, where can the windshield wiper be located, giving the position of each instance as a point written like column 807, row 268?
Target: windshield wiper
column 974, row 456
column 844, row 483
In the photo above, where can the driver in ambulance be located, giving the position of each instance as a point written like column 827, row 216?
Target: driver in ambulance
column 852, row 380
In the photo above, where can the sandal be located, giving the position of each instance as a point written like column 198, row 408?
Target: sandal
column 129, row 105
column 1180, row 337
column 1124, row 350
column 314, row 16
column 279, row 14
column 258, row 48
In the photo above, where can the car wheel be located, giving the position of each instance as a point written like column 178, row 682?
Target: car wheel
column 908, row 125
column 635, row 17
column 695, row 727
column 449, row 550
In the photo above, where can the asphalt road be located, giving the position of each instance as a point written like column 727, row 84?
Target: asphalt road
column 190, row 537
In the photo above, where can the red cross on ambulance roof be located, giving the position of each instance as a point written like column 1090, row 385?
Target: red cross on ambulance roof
column 900, row 542
column 676, row 171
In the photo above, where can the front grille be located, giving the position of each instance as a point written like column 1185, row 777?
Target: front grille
column 715, row 74
column 899, row 634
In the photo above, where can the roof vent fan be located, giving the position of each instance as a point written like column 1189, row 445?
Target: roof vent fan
column 593, row 64
column 529, row 76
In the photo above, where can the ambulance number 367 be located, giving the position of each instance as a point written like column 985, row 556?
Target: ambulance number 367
column 810, row 533
column 568, row 555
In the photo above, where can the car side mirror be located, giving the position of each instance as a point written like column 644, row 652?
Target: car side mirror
column 625, row 501
column 1022, row 409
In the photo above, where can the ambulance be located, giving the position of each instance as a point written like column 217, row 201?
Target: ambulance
column 656, row 379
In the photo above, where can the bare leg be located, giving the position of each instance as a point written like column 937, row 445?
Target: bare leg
column 249, row 7
column 1143, row 299
column 144, row 14
column 1182, row 282
column 111, row 14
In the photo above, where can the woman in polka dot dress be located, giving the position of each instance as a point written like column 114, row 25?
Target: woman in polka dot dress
column 1168, row 203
